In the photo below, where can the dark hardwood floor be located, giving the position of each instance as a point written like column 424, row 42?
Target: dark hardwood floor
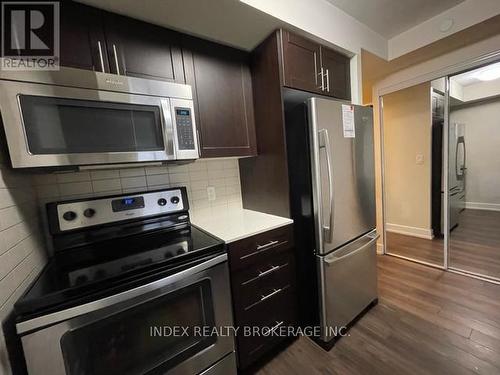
column 474, row 244
column 427, row 322
column 430, row 251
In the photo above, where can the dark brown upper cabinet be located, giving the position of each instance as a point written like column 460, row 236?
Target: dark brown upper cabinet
column 336, row 70
column 143, row 50
column 222, row 87
column 312, row 67
column 82, row 43
column 301, row 63
column 96, row 40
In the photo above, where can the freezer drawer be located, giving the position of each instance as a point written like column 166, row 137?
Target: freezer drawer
column 348, row 283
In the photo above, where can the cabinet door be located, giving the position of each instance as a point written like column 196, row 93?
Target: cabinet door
column 139, row 49
column 301, row 63
column 336, row 68
column 221, row 81
column 81, row 34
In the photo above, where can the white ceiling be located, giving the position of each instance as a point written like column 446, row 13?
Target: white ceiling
column 391, row 17
column 470, row 77
column 226, row 21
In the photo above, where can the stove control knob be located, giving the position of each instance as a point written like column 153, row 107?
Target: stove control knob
column 175, row 199
column 89, row 212
column 162, row 201
column 69, row 215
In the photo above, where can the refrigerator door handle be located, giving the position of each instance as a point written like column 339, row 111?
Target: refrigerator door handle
column 324, row 142
column 330, row 260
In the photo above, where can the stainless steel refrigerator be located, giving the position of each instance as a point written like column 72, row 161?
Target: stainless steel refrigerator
column 332, row 181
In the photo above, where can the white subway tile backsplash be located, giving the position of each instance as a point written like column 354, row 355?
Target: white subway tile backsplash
column 156, row 170
column 105, row 174
column 198, row 175
column 132, row 172
column 179, row 177
column 222, row 174
column 75, row 188
column 178, row 168
column 73, row 177
column 157, row 180
column 48, row 191
column 99, row 186
column 133, row 182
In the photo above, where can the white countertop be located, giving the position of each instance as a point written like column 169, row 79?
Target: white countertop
column 233, row 225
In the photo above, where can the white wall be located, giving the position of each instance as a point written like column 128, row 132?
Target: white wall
column 407, row 133
column 481, row 90
column 482, row 137
column 464, row 15
column 324, row 20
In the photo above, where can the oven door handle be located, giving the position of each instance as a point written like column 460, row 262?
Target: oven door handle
column 56, row 317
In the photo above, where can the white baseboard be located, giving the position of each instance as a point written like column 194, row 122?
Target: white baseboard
column 380, row 248
column 482, row 206
column 410, row 231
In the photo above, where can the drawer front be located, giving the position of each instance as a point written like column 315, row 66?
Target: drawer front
column 261, row 282
column 276, row 313
column 253, row 250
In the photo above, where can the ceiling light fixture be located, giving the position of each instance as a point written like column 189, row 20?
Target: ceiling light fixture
column 489, row 74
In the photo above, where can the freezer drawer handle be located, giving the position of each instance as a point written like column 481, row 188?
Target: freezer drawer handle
column 274, row 292
column 325, row 143
column 272, row 269
column 333, row 259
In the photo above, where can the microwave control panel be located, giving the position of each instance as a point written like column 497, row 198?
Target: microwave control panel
column 185, row 134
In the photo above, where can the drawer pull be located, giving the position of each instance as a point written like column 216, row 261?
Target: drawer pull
column 261, row 248
column 272, row 269
column 269, row 244
column 278, row 324
column 274, row 292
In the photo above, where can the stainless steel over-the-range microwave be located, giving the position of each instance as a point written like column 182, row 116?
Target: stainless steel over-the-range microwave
column 75, row 117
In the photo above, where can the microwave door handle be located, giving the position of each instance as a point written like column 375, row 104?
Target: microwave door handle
column 101, row 58
column 168, row 127
column 324, row 142
column 115, row 55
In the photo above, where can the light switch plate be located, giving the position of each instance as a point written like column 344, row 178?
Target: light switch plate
column 211, row 193
column 419, row 159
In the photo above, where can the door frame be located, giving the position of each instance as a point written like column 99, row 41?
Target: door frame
column 385, row 87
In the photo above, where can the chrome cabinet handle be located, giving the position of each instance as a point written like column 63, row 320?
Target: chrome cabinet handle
column 115, row 55
column 321, row 74
column 327, row 80
column 101, row 58
column 278, row 324
column 272, row 269
column 269, row 244
column 325, row 143
column 274, row 292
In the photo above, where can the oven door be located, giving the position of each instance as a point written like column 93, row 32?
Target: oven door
column 49, row 125
column 147, row 330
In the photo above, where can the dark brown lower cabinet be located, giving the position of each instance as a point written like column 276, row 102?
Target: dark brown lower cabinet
column 263, row 285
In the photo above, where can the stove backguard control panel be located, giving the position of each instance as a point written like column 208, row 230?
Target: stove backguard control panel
column 86, row 213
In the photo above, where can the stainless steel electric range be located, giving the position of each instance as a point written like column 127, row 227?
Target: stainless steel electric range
column 129, row 282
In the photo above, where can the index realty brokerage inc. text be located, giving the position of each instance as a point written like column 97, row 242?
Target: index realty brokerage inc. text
column 278, row 330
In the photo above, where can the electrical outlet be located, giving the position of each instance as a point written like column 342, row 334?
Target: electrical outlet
column 419, row 159
column 211, row 193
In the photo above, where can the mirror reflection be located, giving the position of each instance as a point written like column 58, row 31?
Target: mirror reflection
column 474, row 171
column 413, row 120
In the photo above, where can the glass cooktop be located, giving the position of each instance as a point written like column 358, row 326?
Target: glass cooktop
column 98, row 269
